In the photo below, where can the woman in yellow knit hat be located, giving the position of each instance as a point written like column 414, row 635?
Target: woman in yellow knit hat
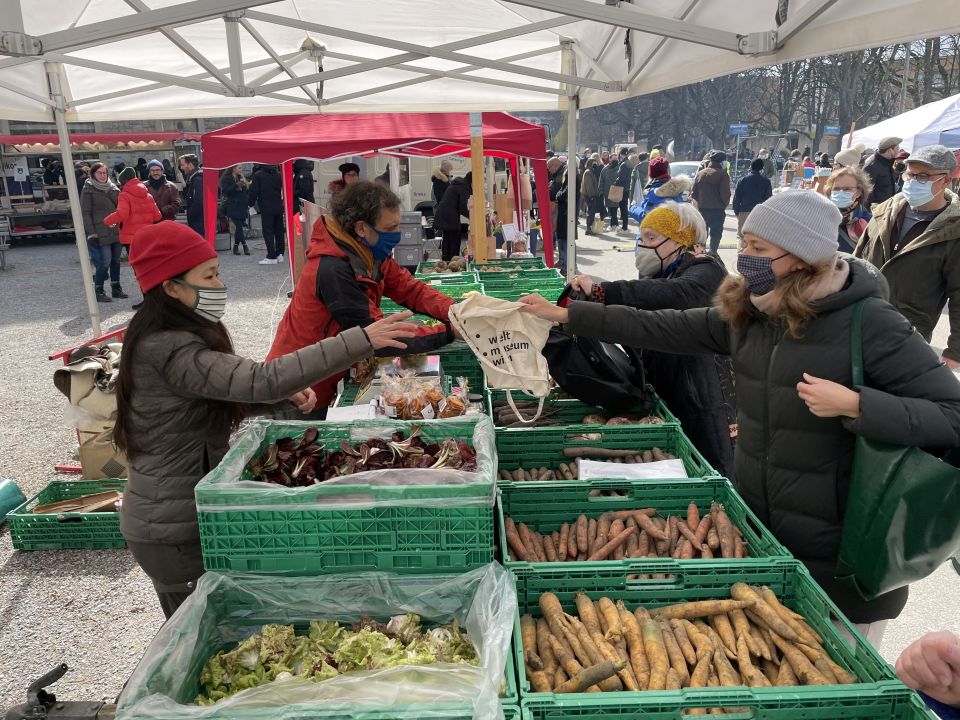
column 697, row 388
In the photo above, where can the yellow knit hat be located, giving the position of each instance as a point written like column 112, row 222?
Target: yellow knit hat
column 666, row 222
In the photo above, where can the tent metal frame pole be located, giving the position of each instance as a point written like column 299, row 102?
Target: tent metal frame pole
column 262, row 42
column 188, row 49
column 457, row 74
column 431, row 52
column 209, row 87
column 26, row 93
column 73, row 192
column 652, row 52
column 141, row 23
column 291, row 57
column 289, row 60
column 398, row 61
column 805, row 15
column 573, row 109
column 231, row 23
column 629, row 18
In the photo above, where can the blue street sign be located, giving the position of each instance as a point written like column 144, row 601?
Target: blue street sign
column 831, row 131
column 739, row 128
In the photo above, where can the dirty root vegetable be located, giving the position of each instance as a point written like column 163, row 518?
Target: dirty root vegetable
column 589, row 676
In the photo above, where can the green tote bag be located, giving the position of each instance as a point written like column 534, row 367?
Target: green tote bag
column 903, row 510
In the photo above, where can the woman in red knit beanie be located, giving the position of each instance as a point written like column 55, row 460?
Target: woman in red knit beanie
column 182, row 391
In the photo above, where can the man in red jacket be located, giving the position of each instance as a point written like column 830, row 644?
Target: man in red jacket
column 348, row 271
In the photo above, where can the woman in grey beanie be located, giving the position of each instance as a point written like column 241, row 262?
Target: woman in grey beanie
column 785, row 321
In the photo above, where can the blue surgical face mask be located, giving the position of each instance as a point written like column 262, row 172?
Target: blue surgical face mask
column 918, row 193
column 386, row 242
column 758, row 272
column 842, row 198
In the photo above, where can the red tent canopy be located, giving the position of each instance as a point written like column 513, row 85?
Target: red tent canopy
column 280, row 139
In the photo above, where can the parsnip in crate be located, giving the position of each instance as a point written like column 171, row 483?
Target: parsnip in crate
column 749, row 639
column 625, row 534
column 571, row 470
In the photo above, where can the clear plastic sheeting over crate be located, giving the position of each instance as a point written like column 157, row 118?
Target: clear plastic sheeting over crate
column 229, row 486
column 226, row 609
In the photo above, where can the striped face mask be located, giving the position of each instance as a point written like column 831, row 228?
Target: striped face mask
column 211, row 303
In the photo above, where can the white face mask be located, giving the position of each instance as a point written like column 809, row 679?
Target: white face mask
column 649, row 263
column 210, row 303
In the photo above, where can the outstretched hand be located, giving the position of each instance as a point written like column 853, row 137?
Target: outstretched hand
column 932, row 665
column 543, row 308
column 305, row 401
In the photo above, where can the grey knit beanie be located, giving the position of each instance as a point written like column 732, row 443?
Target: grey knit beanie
column 803, row 223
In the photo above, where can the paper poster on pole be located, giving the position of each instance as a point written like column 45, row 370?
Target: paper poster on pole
column 511, row 234
column 16, row 168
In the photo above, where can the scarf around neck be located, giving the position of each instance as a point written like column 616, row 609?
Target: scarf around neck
column 104, row 186
column 358, row 247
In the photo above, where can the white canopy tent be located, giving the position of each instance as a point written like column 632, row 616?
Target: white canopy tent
column 931, row 124
column 88, row 60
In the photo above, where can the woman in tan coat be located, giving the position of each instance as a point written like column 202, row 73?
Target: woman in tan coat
column 182, row 391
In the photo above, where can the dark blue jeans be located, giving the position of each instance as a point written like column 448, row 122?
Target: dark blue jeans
column 105, row 260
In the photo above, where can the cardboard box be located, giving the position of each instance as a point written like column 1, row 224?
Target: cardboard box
column 99, row 457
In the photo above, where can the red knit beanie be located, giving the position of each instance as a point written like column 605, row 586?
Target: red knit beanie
column 659, row 167
column 164, row 251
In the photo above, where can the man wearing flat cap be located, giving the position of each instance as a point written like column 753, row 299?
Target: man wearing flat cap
column 349, row 174
column 879, row 167
column 914, row 238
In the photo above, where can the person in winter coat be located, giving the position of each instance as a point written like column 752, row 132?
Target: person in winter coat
column 192, row 191
column 769, row 167
column 608, row 178
column 98, row 199
column 661, row 188
column 879, row 168
column 639, row 178
column 142, row 169
column 672, row 276
column 234, row 191
column 624, row 173
column 561, row 228
column 752, row 190
column 182, row 391
column 136, row 207
column 590, row 191
column 711, row 191
column 302, row 183
column 785, row 322
column 169, row 172
column 349, row 174
column 266, row 193
column 847, row 188
column 164, row 193
column 349, row 270
column 446, row 218
column 440, row 180
column 914, row 238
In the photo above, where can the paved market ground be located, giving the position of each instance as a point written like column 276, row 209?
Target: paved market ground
column 95, row 610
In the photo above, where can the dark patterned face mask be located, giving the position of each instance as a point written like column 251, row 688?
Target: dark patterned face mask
column 758, row 272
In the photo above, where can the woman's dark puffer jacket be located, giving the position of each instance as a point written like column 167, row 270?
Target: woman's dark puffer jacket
column 452, row 205
column 688, row 384
column 792, row 467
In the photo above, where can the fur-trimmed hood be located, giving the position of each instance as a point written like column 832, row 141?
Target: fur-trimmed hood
column 438, row 174
column 674, row 186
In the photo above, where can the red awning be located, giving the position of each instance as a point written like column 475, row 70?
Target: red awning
column 101, row 138
column 277, row 139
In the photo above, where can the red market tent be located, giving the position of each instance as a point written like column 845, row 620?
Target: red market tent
column 280, row 139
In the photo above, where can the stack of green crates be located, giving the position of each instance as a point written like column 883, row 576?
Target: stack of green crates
column 454, row 290
column 66, row 530
column 878, row 694
column 470, row 276
column 531, row 263
column 512, row 285
column 261, row 527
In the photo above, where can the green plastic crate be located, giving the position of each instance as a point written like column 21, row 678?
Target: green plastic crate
column 704, row 580
column 550, row 289
column 326, row 528
column 543, row 447
column 432, row 263
column 388, row 307
column 841, row 703
column 458, row 360
column 436, row 279
column 570, row 410
column 521, row 273
column 62, row 531
column 512, row 712
column 545, row 509
column 534, row 263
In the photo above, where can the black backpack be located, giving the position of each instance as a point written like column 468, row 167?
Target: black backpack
column 595, row 372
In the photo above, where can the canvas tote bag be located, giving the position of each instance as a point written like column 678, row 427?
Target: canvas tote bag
column 508, row 344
